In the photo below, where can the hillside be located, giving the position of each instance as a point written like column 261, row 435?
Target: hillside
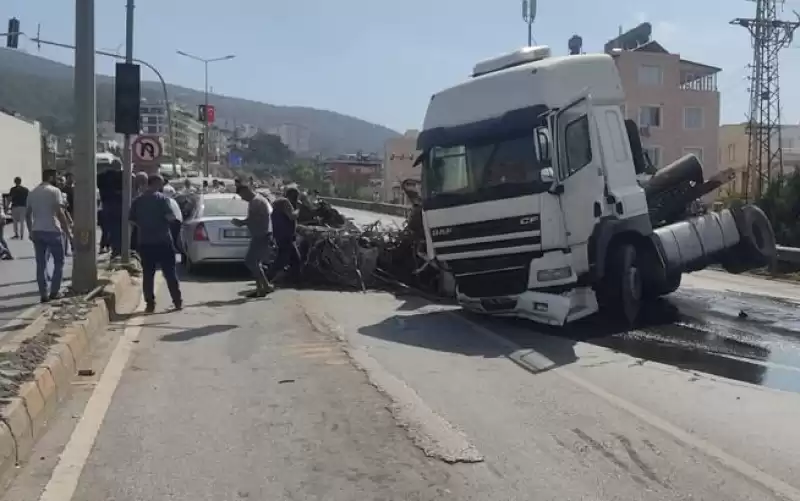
column 42, row 89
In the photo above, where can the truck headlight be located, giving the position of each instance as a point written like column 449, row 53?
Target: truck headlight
column 554, row 274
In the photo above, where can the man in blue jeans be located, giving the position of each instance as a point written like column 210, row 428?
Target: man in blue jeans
column 47, row 224
column 152, row 214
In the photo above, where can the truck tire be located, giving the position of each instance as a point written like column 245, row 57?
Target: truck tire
column 624, row 286
column 671, row 284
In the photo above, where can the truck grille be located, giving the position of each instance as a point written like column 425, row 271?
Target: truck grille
column 493, row 276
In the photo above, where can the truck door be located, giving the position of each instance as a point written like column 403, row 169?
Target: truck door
column 579, row 171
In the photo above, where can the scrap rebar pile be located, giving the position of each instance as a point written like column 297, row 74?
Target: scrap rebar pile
column 357, row 258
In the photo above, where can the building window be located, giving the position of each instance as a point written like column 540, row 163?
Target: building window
column 693, row 118
column 787, row 142
column 650, row 75
column 653, row 153
column 731, row 153
column 152, row 129
column 650, row 116
column 698, row 152
column 577, row 145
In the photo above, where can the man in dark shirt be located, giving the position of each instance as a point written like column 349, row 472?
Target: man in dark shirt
column 259, row 224
column 152, row 214
column 109, row 182
column 19, row 203
column 284, row 228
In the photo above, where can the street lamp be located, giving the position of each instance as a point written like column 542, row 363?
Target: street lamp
column 205, row 122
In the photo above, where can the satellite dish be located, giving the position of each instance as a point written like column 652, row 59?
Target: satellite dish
column 575, row 45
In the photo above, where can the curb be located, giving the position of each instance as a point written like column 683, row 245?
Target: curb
column 25, row 417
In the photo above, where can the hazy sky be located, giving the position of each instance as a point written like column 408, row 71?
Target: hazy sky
column 381, row 60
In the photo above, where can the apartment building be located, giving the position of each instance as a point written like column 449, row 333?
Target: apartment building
column 185, row 125
column 296, row 137
column 734, row 152
column 398, row 165
column 675, row 101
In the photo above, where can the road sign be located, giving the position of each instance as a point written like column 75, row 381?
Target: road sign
column 147, row 149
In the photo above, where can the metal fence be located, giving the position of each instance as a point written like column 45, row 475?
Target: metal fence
column 785, row 254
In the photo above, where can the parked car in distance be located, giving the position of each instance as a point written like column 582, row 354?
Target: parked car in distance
column 208, row 236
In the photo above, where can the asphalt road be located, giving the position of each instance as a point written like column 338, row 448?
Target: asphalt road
column 735, row 326
column 19, row 294
column 339, row 396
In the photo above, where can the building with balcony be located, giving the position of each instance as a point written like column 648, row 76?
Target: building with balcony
column 186, row 126
column 398, row 165
column 675, row 101
column 734, row 153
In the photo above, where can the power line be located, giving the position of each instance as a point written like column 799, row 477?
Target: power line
column 769, row 35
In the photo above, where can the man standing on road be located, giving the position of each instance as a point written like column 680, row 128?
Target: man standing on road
column 284, row 227
column 46, row 219
column 19, row 200
column 260, row 225
column 152, row 214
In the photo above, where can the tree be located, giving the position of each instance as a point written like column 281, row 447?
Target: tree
column 781, row 203
column 265, row 149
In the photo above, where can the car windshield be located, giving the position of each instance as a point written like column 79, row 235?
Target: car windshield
column 224, row 207
column 484, row 171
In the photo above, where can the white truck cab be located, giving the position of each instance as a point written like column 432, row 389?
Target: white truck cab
column 530, row 195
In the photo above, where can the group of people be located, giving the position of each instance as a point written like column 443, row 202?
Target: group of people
column 45, row 212
column 270, row 225
column 155, row 215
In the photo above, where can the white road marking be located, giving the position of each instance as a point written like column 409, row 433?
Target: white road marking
column 745, row 469
column 67, row 473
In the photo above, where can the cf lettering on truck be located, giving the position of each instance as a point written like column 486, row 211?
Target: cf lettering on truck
column 531, row 201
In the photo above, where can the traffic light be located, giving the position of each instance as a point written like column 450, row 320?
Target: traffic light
column 201, row 140
column 205, row 113
column 127, row 99
column 12, row 39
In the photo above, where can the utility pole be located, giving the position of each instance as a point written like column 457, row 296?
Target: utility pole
column 205, row 123
column 84, row 271
column 764, row 150
column 529, row 15
column 127, row 160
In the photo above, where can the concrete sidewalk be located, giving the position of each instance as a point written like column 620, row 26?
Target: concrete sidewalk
column 19, row 294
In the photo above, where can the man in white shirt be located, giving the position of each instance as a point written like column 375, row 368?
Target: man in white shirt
column 46, row 219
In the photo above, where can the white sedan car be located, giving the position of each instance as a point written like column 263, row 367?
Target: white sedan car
column 208, row 236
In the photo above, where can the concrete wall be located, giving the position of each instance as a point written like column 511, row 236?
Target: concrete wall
column 20, row 152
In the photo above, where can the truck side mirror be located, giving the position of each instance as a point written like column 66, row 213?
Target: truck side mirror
column 547, row 176
column 542, row 145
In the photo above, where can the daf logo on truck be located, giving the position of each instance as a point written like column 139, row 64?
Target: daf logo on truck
column 519, row 145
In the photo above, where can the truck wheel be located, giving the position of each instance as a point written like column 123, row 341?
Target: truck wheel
column 671, row 284
column 624, row 285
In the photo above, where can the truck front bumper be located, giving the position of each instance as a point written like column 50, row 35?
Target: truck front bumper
column 545, row 308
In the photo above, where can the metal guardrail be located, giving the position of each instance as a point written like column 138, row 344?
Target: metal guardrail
column 785, row 254
column 789, row 254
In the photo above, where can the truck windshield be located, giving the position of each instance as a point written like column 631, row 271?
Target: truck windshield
column 479, row 172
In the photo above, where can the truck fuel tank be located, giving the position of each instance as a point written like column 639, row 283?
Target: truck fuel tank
column 740, row 238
